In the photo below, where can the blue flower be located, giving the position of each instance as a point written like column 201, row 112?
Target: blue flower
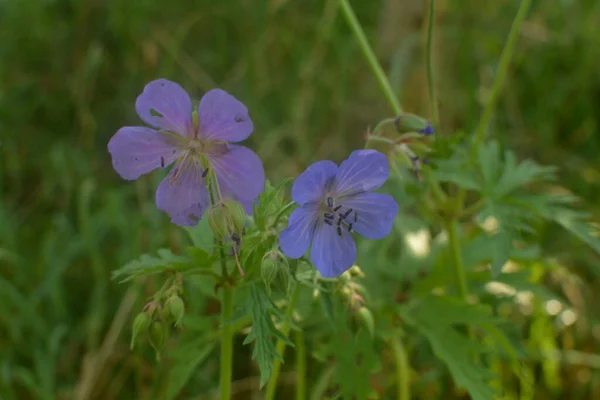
column 335, row 202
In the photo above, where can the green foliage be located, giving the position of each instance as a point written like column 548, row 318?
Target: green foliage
column 150, row 265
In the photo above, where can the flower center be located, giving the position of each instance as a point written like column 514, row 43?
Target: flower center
column 338, row 216
column 197, row 146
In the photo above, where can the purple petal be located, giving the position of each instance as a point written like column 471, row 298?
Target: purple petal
column 183, row 194
column 363, row 171
column 166, row 105
column 239, row 171
column 137, row 150
column 331, row 253
column 295, row 240
column 223, row 118
column 311, row 185
column 375, row 214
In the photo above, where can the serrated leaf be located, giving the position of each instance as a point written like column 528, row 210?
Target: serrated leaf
column 489, row 163
column 572, row 222
column 518, row 175
column 263, row 332
column 149, row 265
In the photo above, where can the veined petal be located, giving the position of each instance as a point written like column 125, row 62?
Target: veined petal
column 166, row 105
column 223, row 118
column 331, row 253
column 295, row 240
column 363, row 171
column 311, row 185
column 137, row 150
column 239, row 171
column 183, row 194
column 374, row 212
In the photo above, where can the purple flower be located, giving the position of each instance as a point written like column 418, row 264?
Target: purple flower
column 195, row 144
column 334, row 202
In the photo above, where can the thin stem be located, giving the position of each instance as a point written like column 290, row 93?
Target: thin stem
column 435, row 117
column 369, row 55
column 285, row 330
column 300, row 366
column 282, row 212
column 402, row 369
column 505, row 58
column 459, row 269
column 226, row 341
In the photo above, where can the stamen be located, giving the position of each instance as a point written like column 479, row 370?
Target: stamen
column 339, row 231
column 339, row 222
column 356, row 216
column 328, row 222
column 329, row 202
column 349, row 227
column 204, row 173
column 162, row 162
column 337, row 208
column 347, row 213
column 328, row 215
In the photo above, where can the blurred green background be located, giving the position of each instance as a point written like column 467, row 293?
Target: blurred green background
column 70, row 71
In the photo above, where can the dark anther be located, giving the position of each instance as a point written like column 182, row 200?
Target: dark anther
column 339, row 222
column 347, row 213
column 337, row 208
column 349, row 227
column 328, row 215
column 328, row 222
column 339, row 231
column 162, row 162
column 204, row 173
column 356, row 216
column 329, row 202
column 239, row 118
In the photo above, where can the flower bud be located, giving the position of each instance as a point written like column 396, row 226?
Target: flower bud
column 140, row 324
column 269, row 267
column 157, row 337
column 226, row 218
column 174, row 310
column 413, row 123
column 365, row 317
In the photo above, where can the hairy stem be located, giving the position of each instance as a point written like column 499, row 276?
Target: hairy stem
column 300, row 366
column 369, row 55
column 402, row 369
column 226, row 341
column 285, row 330
column 505, row 59
column 435, row 117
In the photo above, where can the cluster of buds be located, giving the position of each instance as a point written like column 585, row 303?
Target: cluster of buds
column 165, row 309
column 227, row 220
column 353, row 294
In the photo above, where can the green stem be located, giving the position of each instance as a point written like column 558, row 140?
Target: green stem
column 402, row 369
column 282, row 212
column 435, row 117
column 368, row 53
column 226, row 341
column 300, row 366
column 459, row 269
column 505, row 58
column 285, row 330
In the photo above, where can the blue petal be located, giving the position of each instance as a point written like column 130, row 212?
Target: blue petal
column 375, row 214
column 332, row 254
column 311, row 185
column 363, row 171
column 295, row 240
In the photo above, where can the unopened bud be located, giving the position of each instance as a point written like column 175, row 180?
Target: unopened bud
column 174, row 310
column 140, row 324
column 406, row 123
column 365, row 317
column 269, row 267
column 226, row 218
column 157, row 337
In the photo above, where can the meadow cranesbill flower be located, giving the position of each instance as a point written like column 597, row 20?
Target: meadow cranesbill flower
column 335, row 202
column 196, row 142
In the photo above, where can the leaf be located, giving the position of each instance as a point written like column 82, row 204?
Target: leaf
column 263, row 332
column 501, row 248
column 489, row 164
column 202, row 236
column 270, row 201
column 517, row 175
column 187, row 360
column 150, row 265
column 447, row 310
column 457, row 171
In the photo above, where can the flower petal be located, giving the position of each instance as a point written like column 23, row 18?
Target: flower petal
column 364, row 170
column 137, row 150
column 166, row 105
column 223, row 118
column 375, row 214
column 239, row 171
column 295, row 240
column 311, row 185
column 183, row 194
column 331, row 253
